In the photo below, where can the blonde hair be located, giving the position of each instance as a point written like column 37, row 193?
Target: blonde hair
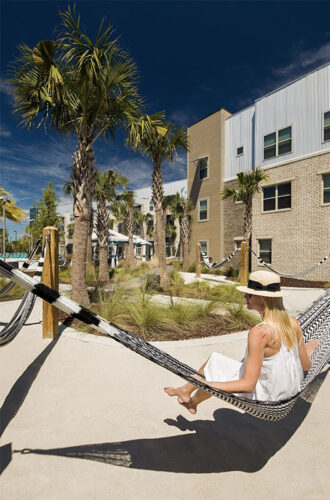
column 275, row 315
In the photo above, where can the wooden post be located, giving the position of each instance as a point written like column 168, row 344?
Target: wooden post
column 198, row 261
column 244, row 263
column 50, row 278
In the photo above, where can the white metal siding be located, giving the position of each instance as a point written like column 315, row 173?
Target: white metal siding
column 300, row 104
column 169, row 189
column 239, row 132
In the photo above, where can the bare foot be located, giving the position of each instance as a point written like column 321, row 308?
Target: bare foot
column 191, row 406
column 183, row 396
column 311, row 346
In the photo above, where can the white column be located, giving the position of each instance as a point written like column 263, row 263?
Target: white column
column 144, row 253
column 113, row 247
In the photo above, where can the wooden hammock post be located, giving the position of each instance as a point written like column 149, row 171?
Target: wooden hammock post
column 198, row 261
column 244, row 263
column 50, row 278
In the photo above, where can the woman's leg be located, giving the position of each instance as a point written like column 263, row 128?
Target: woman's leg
column 183, row 392
column 195, row 400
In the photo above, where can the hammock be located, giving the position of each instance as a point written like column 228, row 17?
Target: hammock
column 214, row 265
column 22, row 314
column 315, row 323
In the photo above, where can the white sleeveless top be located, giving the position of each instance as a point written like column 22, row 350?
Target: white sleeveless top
column 280, row 376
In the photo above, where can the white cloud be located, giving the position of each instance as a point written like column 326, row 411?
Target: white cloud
column 4, row 132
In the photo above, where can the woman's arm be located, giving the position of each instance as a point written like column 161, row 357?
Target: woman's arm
column 256, row 347
column 303, row 355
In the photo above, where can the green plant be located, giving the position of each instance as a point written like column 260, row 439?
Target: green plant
column 15, row 293
column 176, row 283
column 192, row 267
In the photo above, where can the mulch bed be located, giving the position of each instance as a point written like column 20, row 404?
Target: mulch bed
column 302, row 283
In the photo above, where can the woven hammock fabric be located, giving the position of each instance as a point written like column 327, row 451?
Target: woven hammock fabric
column 22, row 314
column 220, row 264
column 268, row 410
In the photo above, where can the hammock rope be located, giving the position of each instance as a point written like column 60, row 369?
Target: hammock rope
column 9, row 286
column 319, row 327
column 285, row 275
column 24, row 310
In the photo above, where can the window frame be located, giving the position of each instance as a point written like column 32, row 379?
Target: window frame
column 207, row 245
column 323, row 127
column 276, row 132
column 271, row 250
column 276, row 209
column 323, row 203
column 207, row 168
column 239, row 154
column 208, row 209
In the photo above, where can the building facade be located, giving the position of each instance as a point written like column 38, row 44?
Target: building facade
column 287, row 134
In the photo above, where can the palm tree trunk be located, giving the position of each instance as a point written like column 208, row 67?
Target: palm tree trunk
column 185, row 231
column 104, row 276
column 158, row 195
column 89, row 256
column 82, row 180
column 247, row 221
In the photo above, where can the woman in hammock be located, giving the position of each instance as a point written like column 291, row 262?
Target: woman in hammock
column 275, row 358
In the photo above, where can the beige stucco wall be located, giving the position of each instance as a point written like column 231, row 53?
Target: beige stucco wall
column 300, row 235
column 207, row 139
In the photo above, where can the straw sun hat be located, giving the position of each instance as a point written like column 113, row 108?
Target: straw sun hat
column 264, row 283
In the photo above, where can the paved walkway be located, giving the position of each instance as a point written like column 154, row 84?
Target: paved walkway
column 84, row 418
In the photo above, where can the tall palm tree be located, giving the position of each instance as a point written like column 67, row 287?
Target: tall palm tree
column 87, row 88
column 248, row 184
column 158, row 140
column 106, row 195
column 181, row 208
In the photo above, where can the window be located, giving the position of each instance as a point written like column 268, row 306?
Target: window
column 151, row 206
column 238, row 242
column 326, row 126
column 277, row 197
column 203, row 168
column 326, row 188
column 204, row 246
column 203, row 210
column 265, row 250
column 278, row 143
column 239, row 151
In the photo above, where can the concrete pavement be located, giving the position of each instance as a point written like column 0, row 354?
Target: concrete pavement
column 83, row 417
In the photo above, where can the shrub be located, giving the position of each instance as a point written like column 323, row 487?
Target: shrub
column 192, row 267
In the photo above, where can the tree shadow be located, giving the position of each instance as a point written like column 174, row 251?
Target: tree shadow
column 21, row 387
column 231, row 442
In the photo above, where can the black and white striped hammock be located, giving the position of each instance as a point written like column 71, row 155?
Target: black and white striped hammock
column 24, row 310
column 315, row 323
column 215, row 265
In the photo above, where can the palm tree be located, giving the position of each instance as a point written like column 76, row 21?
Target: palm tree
column 124, row 209
column 248, row 184
column 158, row 140
column 83, row 87
column 12, row 211
column 181, row 208
column 106, row 195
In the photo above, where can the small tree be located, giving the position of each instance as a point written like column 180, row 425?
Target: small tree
column 181, row 208
column 46, row 213
column 247, row 186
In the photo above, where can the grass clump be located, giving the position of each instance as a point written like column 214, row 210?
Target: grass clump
column 14, row 294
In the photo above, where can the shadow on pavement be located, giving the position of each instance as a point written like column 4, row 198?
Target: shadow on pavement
column 233, row 441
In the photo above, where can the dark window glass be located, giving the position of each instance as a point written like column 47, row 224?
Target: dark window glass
column 284, row 189
column 326, row 196
column 240, row 151
column 284, row 202
column 327, row 134
column 284, row 147
column 269, row 192
column 202, row 166
column 269, row 152
column 270, row 140
column 266, row 250
column 203, row 245
column 284, row 134
column 269, row 204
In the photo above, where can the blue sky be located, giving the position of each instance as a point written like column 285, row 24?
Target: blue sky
column 193, row 58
